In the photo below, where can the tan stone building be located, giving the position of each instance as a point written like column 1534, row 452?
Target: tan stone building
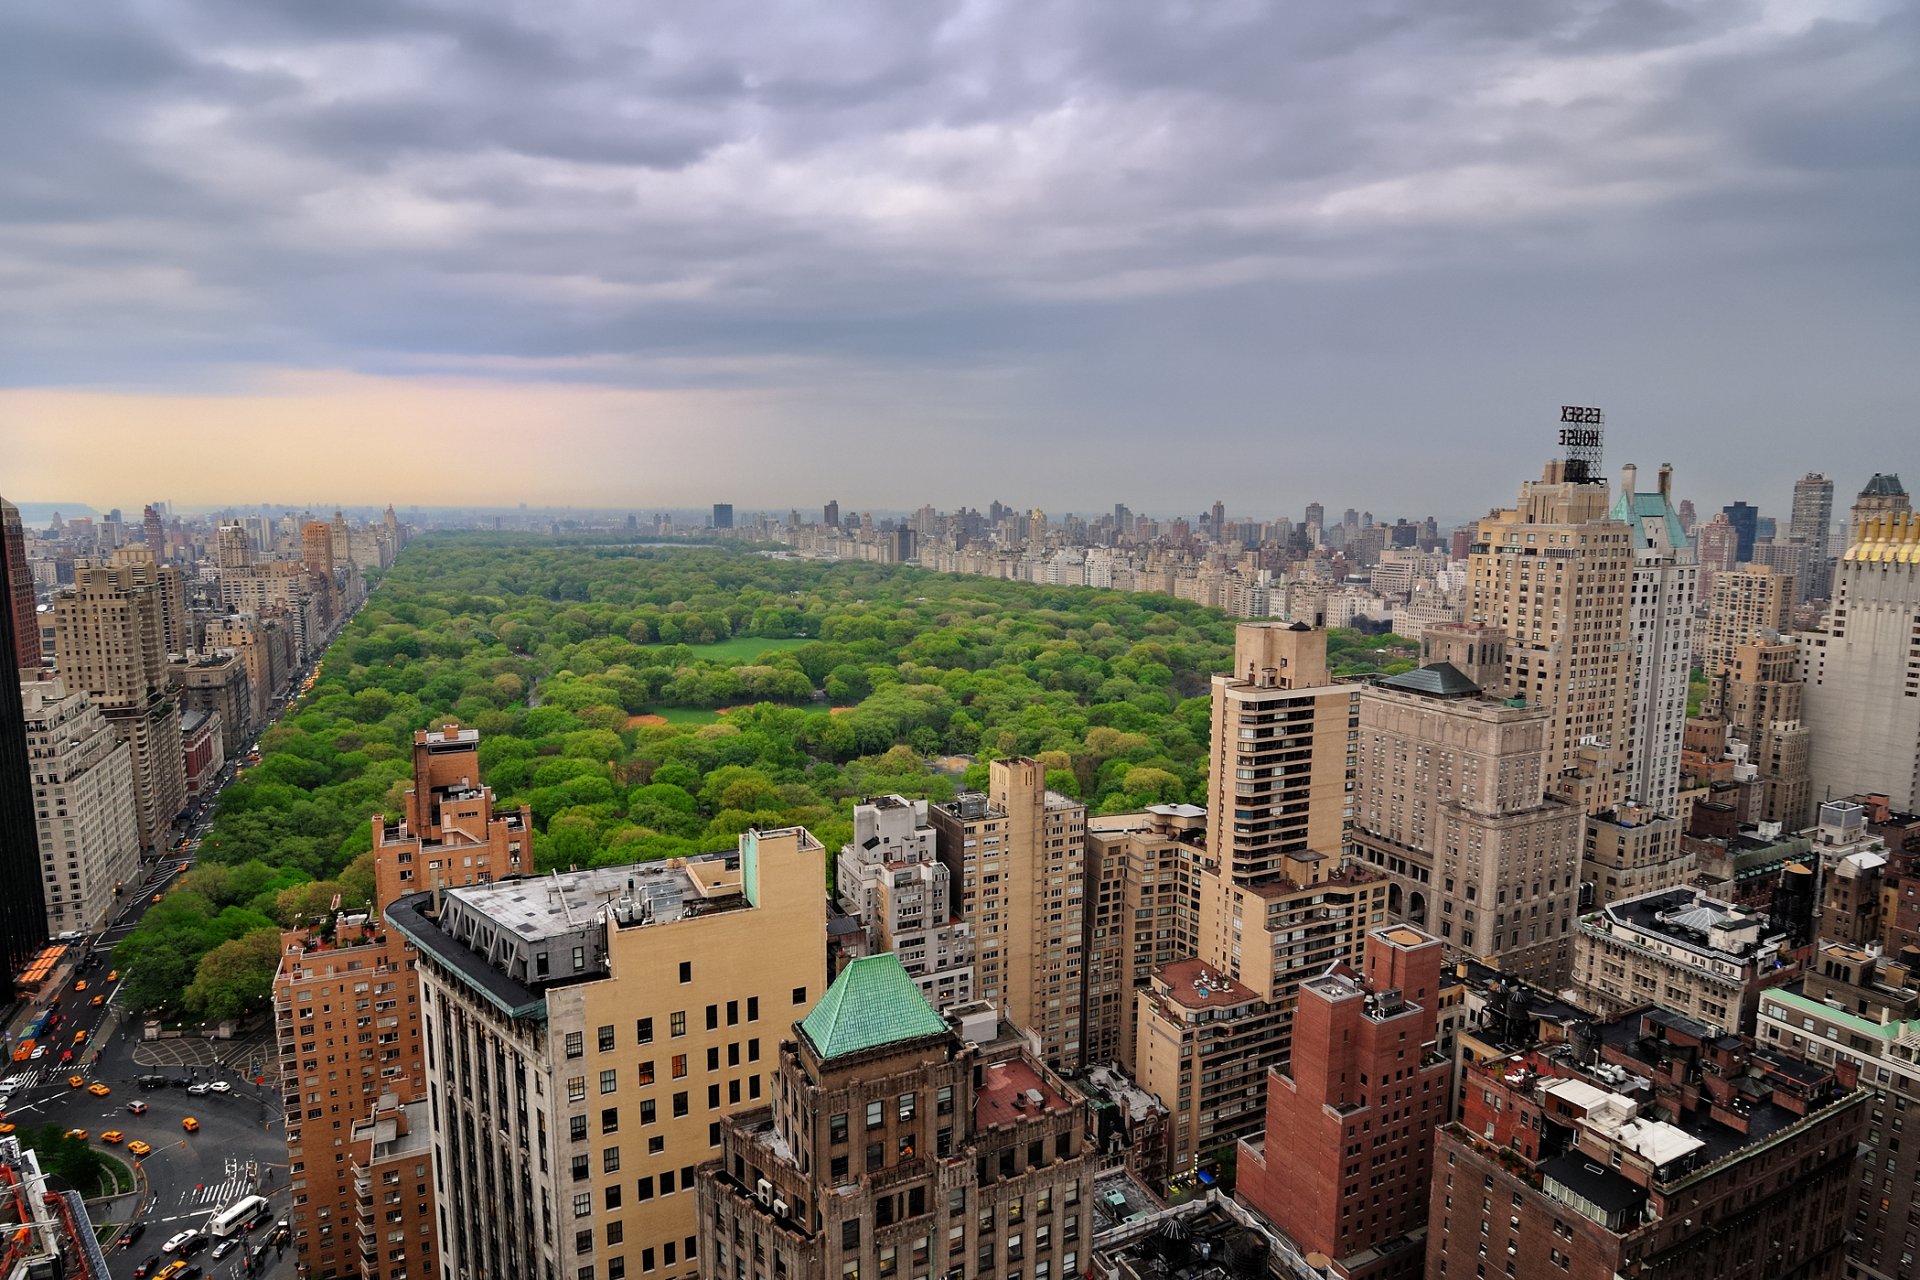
column 1017, row 856
column 216, row 683
column 1206, row 1043
column 1745, row 604
column 1761, row 697
column 1683, row 950
column 1143, row 900
column 890, row 1148
column 1453, row 807
column 348, row 1022
column 265, row 654
column 1556, row 573
column 111, row 643
column 891, row 879
column 587, row 1035
column 1631, row 850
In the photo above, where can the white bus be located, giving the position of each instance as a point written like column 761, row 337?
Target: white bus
column 231, row 1219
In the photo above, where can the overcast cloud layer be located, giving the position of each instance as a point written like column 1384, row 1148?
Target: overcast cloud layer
column 1059, row 253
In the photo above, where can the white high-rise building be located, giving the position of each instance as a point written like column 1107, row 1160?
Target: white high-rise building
column 1812, row 523
column 83, row 801
column 1665, row 587
column 892, row 878
column 1862, row 695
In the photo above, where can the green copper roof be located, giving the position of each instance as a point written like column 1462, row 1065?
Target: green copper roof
column 1641, row 509
column 873, row 1002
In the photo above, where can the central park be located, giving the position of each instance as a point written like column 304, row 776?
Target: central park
column 654, row 701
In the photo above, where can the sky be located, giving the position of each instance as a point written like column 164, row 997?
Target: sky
column 1063, row 254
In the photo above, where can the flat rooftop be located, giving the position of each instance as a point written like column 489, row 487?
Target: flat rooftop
column 1013, row 1092
column 550, row 906
column 1195, row 984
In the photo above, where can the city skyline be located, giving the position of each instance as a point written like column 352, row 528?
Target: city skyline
column 835, row 250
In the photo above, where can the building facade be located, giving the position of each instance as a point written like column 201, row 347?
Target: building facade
column 888, row 1147
column 891, row 878
column 23, row 914
column 1017, row 856
column 1204, row 1045
column 1746, row 604
column 83, row 794
column 1453, row 807
column 1665, row 589
column 1345, row 1162
column 1684, row 951
column 1812, row 524
column 1761, row 697
column 1143, row 897
column 587, row 1035
column 1862, row 674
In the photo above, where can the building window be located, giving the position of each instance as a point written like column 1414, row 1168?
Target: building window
column 679, row 1066
column 645, row 1072
column 799, row 995
column 583, row 1204
column 643, row 1030
column 686, row 971
column 609, row 1080
column 876, row 1155
column 680, row 1104
column 609, row 1119
column 610, row 1161
column 576, row 1044
column 679, row 1024
column 577, row 1128
column 876, row 1114
column 837, row 1128
column 576, row 1088
column 613, row 1196
column 606, row 1038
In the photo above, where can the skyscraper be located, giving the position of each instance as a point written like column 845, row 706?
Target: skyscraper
column 1344, row 1165
column 831, row 515
column 1882, row 496
column 21, row 619
column 1011, row 855
column 110, row 641
column 1812, row 523
column 1745, row 519
column 1716, row 547
column 234, row 550
column 23, row 912
column 155, row 531
column 1744, row 604
column 1863, row 686
column 1665, row 574
column 723, row 515
column 1761, row 697
column 83, row 789
column 1556, row 572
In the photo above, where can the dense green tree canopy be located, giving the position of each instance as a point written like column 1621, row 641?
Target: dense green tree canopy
column 648, row 702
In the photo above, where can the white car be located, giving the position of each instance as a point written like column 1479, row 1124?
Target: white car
column 39, row 1052
column 198, row 1090
column 219, row 1086
column 175, row 1242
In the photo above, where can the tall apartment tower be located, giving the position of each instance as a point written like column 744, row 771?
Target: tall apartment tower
column 1345, row 1164
column 830, row 514
column 23, row 914
column 21, row 620
column 1143, row 901
column 1745, row 519
column 110, row 641
column 1018, row 855
column 1453, row 808
column 1556, row 572
column 1279, row 898
column 723, row 515
column 1863, row 673
column 1744, row 605
column 891, row 1148
column 892, row 879
column 348, row 1019
column 83, row 789
column 587, row 1036
column 1665, row 586
column 1761, row 699
column 154, row 529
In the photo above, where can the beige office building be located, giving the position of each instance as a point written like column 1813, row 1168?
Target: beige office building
column 1863, row 673
column 1206, row 1043
column 110, row 642
column 1453, row 807
column 1018, row 857
column 1681, row 949
column 588, row 1034
column 1746, row 604
column 83, row 801
column 1556, row 573
column 1761, row 697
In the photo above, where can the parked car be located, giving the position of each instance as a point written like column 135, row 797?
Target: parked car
column 175, row 1241
column 199, row 1090
column 153, row 1082
column 219, row 1086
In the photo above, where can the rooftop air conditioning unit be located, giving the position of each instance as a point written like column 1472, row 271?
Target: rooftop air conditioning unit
column 763, row 1190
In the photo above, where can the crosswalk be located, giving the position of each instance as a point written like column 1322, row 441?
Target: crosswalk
column 217, row 1195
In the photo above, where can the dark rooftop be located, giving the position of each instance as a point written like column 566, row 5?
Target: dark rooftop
column 1589, row 1180
column 409, row 916
column 1437, row 679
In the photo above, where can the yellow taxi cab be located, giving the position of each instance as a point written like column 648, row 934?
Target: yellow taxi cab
column 97, row 1001
column 77, row 1133
column 8, row 1127
column 80, row 985
column 139, row 1148
column 80, row 1036
column 74, row 1082
column 158, row 896
column 190, row 1125
column 112, row 1135
column 98, row 1090
column 113, row 975
column 172, row 1269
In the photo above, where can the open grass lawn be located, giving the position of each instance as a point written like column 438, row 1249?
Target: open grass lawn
column 676, row 715
column 743, row 649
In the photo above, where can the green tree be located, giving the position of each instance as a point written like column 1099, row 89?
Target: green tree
column 234, row 978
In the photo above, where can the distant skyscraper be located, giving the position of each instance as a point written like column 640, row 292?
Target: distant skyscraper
column 156, row 531
column 723, row 515
column 1717, row 548
column 1688, row 519
column 21, row 620
column 1745, row 519
column 234, row 549
column 1218, row 526
column 1863, row 688
column 1752, row 599
column 831, row 515
column 1812, row 523
column 23, row 911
